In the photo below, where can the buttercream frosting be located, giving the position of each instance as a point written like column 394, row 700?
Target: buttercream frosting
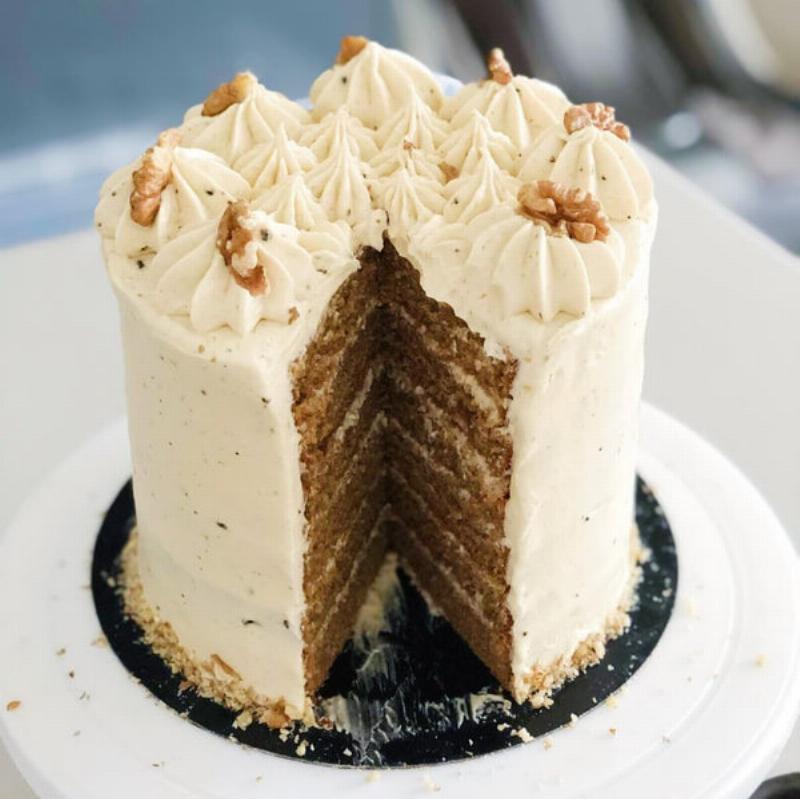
column 533, row 272
column 273, row 162
column 192, row 277
column 201, row 185
column 373, row 84
column 472, row 137
column 595, row 160
column 242, row 125
column 519, row 109
column 338, row 129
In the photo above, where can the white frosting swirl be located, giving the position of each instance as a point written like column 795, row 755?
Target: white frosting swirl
column 408, row 200
column 543, row 275
column 419, row 163
column 200, row 187
column 242, row 125
column 340, row 185
column 595, row 160
column 335, row 130
column 414, row 122
column 272, row 162
column 519, row 108
column 373, row 84
column 472, row 136
column 291, row 202
column 192, row 278
column 479, row 190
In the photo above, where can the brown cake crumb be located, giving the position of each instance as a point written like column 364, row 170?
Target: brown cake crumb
column 350, row 47
column 499, row 68
column 600, row 115
column 564, row 211
column 227, row 94
column 236, row 238
column 152, row 177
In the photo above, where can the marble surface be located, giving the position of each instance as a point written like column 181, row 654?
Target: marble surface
column 723, row 348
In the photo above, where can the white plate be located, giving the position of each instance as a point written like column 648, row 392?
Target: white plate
column 706, row 716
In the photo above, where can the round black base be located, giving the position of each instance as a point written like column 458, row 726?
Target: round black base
column 431, row 706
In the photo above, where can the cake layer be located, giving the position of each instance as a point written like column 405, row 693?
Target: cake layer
column 491, row 642
column 449, row 459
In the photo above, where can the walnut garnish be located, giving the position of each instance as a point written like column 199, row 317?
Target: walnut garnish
column 152, row 177
column 350, row 47
column 577, row 117
column 563, row 211
column 499, row 68
column 236, row 241
column 448, row 170
column 226, row 94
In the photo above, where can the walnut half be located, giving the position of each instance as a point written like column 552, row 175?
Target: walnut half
column 564, row 211
column 227, row 94
column 350, row 47
column 577, row 117
column 152, row 177
column 236, row 242
column 499, row 68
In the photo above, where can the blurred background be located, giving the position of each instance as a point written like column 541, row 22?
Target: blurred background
column 713, row 86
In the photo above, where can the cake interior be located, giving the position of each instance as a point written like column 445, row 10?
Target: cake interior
column 404, row 443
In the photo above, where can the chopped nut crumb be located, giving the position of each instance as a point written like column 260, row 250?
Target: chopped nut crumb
column 373, row 776
column 429, row 784
column 547, row 743
column 577, row 117
column 100, row 641
column 216, row 660
column 761, row 661
column 243, row 720
column 236, row 243
column 448, row 170
column 13, row 705
column 228, row 94
column 522, row 734
column 573, row 720
column 499, row 68
column 350, row 47
column 612, row 730
column 564, row 211
column 301, row 749
column 61, row 652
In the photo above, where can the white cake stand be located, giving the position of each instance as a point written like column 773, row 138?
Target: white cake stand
column 706, row 716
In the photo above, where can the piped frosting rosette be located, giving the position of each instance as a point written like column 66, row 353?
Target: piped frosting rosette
column 582, row 152
column 170, row 189
column 236, row 270
column 238, row 115
column 372, row 82
column 336, row 129
column 516, row 106
column 340, row 185
column 270, row 162
column 544, row 258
